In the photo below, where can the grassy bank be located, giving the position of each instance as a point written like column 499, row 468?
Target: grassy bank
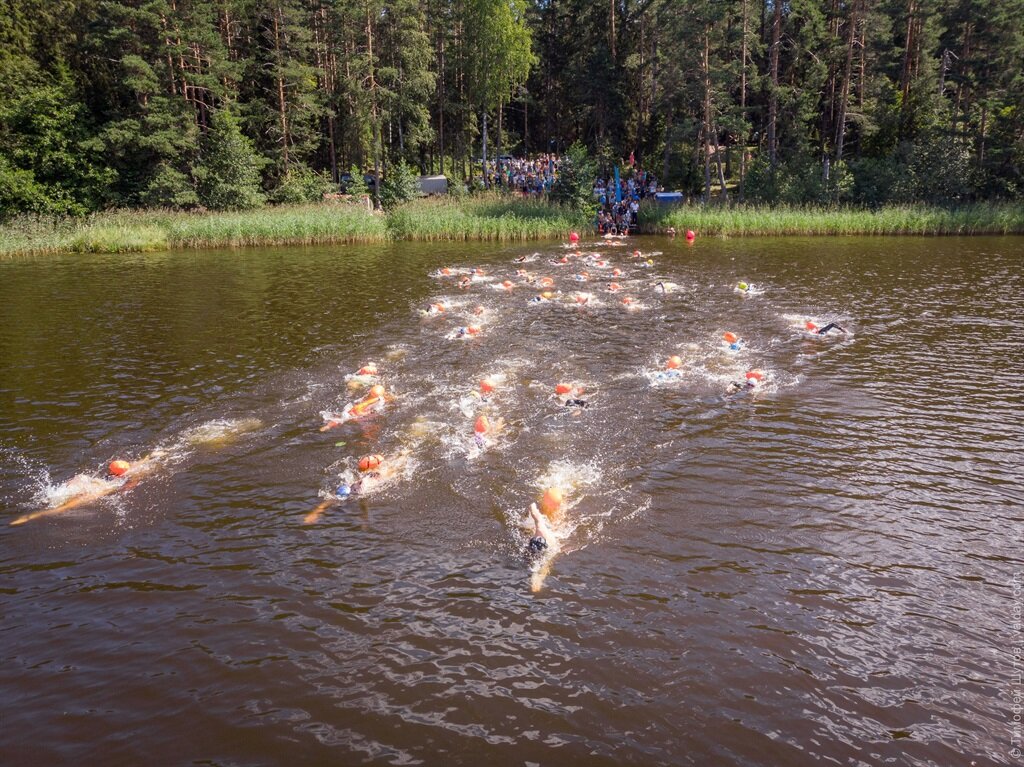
column 477, row 218
column 981, row 218
column 483, row 218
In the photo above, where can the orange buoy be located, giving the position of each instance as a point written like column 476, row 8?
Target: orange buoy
column 730, row 337
column 487, row 386
column 674, row 362
column 482, row 425
column 118, row 467
column 551, row 501
column 370, row 462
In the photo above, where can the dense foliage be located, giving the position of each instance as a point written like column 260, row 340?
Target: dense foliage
column 225, row 104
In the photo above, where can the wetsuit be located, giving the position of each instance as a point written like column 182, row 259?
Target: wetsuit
column 830, row 326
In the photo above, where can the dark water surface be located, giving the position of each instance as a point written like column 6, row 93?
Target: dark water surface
column 821, row 571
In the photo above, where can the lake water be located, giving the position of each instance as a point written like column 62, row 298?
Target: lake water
column 824, row 569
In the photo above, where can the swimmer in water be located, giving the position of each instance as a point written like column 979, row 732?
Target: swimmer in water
column 465, row 282
column 753, row 379
column 86, row 488
column 667, row 287
column 375, row 471
column 372, row 403
column 812, row 328
column 485, row 431
column 543, row 541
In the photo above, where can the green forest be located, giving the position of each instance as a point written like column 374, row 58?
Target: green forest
column 237, row 103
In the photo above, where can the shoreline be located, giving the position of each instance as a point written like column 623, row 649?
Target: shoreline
column 485, row 218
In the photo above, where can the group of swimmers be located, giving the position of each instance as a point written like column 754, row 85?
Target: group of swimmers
column 373, row 471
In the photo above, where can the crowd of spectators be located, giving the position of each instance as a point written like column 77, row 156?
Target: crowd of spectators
column 619, row 208
column 532, row 176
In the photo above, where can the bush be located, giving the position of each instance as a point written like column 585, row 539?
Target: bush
column 170, row 188
column 228, row 176
column 574, row 186
column 302, row 184
column 399, row 185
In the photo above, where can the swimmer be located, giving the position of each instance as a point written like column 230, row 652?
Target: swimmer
column 520, row 260
column 743, row 287
column 375, row 471
column 753, row 379
column 580, row 403
column 372, row 403
column 671, row 231
column 468, row 331
column 464, row 283
column 366, row 375
column 667, row 287
column 435, row 309
column 543, row 541
column 86, row 488
column 485, row 430
column 813, row 329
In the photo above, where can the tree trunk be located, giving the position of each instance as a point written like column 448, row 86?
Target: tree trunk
column 773, row 98
column 847, row 73
column 743, row 104
column 282, row 103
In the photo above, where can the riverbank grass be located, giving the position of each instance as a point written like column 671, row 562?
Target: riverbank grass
column 746, row 221
column 484, row 217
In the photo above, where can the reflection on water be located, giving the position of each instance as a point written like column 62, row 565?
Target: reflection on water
column 815, row 568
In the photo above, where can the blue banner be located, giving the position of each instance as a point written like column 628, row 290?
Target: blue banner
column 618, row 186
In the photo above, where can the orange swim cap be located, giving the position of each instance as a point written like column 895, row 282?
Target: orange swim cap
column 118, row 467
column 755, row 375
column 507, row 284
column 367, row 370
column 616, row 271
column 730, row 337
column 563, row 388
column 614, row 286
column 446, row 270
column 487, row 386
column 636, row 254
column 370, row 462
column 674, row 362
column 810, row 325
column 482, row 425
column 479, row 272
column 627, row 300
column 377, row 391
column 473, row 329
column 551, row 501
